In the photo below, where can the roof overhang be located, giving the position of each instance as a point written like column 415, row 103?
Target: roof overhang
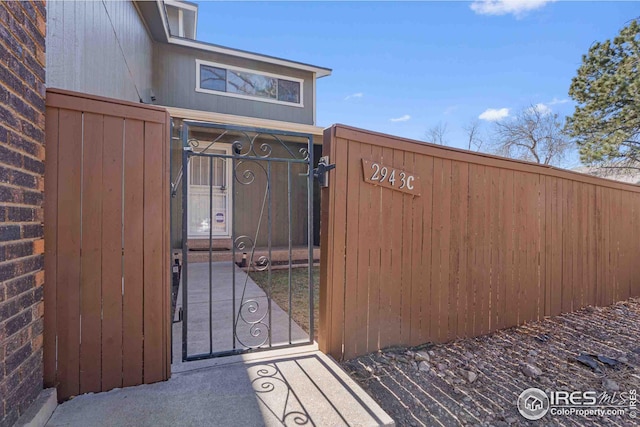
column 154, row 14
column 252, row 122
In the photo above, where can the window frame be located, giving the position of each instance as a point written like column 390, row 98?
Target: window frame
column 200, row 62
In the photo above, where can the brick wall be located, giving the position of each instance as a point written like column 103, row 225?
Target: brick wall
column 22, row 104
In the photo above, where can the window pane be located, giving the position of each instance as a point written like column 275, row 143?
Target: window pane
column 218, row 172
column 252, row 84
column 195, row 171
column 213, row 78
column 288, row 91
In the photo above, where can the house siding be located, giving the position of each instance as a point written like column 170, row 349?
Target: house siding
column 175, row 83
column 100, row 48
column 22, row 107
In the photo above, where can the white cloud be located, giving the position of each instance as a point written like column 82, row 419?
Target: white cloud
column 555, row 101
column 494, row 114
column 354, row 95
column 404, row 118
column 517, row 8
column 541, row 108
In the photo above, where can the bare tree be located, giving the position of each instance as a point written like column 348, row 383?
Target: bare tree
column 437, row 134
column 474, row 138
column 534, row 134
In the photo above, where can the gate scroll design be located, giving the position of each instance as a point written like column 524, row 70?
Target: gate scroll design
column 252, row 159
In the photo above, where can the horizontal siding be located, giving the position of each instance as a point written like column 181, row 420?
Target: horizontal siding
column 84, row 54
column 175, row 83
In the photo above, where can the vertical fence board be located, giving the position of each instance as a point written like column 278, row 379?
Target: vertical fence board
column 549, row 191
column 50, row 249
column 336, row 268
column 68, row 252
column 373, row 219
column 112, row 252
column 395, row 223
column 568, row 221
column 154, row 250
column 541, row 246
column 327, row 199
column 531, row 282
column 484, row 290
column 440, row 245
column 591, row 246
column 496, row 261
column 477, row 250
column 506, row 243
column 386, row 275
column 132, row 342
column 607, row 255
column 458, row 253
column 599, row 219
column 406, row 248
column 614, row 246
column 91, row 260
column 554, row 258
column 417, row 278
column 353, row 336
column 426, row 168
column 365, row 235
column 364, row 257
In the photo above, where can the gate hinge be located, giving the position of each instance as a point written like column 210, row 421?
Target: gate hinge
column 320, row 173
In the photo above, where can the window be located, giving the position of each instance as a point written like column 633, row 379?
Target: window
column 213, row 78
column 200, row 169
column 240, row 83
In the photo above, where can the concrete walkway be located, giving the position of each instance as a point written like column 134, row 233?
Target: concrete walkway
column 256, row 321
column 292, row 386
column 272, row 388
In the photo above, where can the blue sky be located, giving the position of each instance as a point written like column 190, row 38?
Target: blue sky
column 403, row 67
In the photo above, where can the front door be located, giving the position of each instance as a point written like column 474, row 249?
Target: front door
column 209, row 205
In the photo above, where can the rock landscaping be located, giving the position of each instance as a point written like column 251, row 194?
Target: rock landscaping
column 477, row 381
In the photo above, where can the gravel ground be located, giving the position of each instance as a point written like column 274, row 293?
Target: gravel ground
column 477, row 381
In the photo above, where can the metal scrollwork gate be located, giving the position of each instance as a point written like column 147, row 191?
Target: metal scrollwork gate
column 247, row 217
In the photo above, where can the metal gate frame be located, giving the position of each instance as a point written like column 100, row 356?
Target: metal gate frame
column 240, row 153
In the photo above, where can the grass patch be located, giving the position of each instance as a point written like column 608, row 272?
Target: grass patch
column 299, row 293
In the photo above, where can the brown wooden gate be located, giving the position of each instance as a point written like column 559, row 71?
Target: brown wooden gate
column 106, row 224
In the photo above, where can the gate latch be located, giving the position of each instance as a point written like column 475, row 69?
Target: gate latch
column 320, row 173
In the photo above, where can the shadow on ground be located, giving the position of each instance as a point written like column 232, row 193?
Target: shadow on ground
column 304, row 389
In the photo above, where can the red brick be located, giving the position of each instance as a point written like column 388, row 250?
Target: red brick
column 39, row 278
column 22, row 153
column 36, row 343
column 38, row 246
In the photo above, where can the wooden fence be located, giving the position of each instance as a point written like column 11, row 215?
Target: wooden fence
column 478, row 243
column 107, row 244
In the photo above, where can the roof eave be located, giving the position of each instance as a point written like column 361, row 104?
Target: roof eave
column 210, row 47
column 166, row 37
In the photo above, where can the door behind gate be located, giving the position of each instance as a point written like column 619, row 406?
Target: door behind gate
column 247, row 227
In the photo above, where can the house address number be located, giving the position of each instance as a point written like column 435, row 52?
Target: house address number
column 389, row 177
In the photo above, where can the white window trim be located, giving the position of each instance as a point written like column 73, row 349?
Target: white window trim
column 200, row 62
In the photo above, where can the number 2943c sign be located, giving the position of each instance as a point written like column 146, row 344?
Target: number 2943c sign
column 390, row 177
